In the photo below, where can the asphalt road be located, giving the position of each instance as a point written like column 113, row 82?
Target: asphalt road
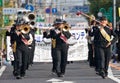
column 77, row 72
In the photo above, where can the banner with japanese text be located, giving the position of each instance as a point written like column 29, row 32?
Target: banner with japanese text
column 77, row 50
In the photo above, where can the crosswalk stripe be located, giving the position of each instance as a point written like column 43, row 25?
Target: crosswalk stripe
column 111, row 76
column 2, row 70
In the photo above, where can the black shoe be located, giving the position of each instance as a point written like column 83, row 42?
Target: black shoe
column 102, row 74
column 15, row 73
column 18, row 77
column 106, row 75
column 53, row 71
column 22, row 75
column 60, row 75
column 97, row 73
column 27, row 67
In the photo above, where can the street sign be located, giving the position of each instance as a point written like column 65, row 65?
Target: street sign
column 74, row 9
column 54, row 10
column 9, row 11
column 84, row 9
column 29, row 7
column 47, row 10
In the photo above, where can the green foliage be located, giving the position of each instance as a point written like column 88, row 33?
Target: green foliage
column 106, row 4
column 1, row 3
column 97, row 4
column 6, row 20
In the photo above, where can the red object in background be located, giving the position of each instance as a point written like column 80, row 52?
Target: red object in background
column 78, row 13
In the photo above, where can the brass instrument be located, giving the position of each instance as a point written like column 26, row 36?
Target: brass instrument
column 31, row 16
column 53, row 43
column 14, row 46
column 25, row 28
column 66, row 27
column 92, row 18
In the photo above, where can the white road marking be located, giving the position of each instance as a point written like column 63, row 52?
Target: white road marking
column 2, row 69
column 55, row 80
column 111, row 76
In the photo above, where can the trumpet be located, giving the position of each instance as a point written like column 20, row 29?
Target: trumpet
column 25, row 28
column 92, row 18
column 66, row 27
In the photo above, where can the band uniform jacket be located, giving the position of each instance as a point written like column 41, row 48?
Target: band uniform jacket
column 99, row 40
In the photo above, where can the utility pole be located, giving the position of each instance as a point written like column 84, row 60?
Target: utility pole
column 114, row 14
column 2, row 14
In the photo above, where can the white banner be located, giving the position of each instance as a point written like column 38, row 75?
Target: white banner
column 10, row 56
column 77, row 51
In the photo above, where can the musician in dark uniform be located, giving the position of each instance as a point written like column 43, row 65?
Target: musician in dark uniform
column 90, row 44
column 32, row 31
column 13, row 46
column 102, row 42
column 31, row 48
column 60, row 47
column 117, row 31
column 23, row 39
column 49, row 34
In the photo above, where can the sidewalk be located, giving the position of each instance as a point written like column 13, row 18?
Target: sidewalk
column 77, row 72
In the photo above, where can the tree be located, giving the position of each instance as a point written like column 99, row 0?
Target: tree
column 1, row 3
column 97, row 4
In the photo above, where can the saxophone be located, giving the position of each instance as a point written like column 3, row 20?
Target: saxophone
column 14, row 46
column 53, row 43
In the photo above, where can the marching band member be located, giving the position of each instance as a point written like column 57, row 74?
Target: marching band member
column 23, row 40
column 32, row 31
column 102, row 42
column 90, row 44
column 117, row 56
column 60, row 46
column 13, row 46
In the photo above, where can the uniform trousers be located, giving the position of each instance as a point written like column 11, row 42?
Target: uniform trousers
column 21, row 59
column 14, row 64
column 32, row 52
column 118, row 51
column 90, row 54
column 61, row 54
column 54, row 59
column 104, row 57
column 96, row 58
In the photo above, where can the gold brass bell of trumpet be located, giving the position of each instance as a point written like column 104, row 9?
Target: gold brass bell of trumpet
column 25, row 28
column 66, row 27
